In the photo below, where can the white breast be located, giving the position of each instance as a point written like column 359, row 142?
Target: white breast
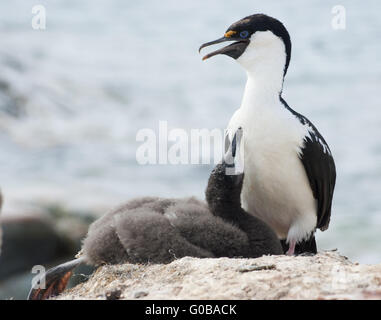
column 276, row 187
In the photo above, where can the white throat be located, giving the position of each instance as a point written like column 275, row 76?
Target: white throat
column 264, row 60
column 276, row 188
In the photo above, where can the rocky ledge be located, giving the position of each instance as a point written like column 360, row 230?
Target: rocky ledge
column 327, row 275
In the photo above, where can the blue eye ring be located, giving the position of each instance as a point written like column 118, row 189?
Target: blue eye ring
column 244, row 34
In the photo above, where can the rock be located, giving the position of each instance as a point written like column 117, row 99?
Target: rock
column 113, row 295
column 36, row 235
column 140, row 294
column 326, row 275
column 255, row 267
column 40, row 239
column 28, row 242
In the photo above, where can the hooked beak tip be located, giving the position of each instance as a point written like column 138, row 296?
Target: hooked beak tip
column 202, row 47
column 211, row 43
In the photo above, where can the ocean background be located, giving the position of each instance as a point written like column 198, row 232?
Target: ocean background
column 73, row 97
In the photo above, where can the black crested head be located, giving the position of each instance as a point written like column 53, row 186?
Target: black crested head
column 241, row 32
column 260, row 22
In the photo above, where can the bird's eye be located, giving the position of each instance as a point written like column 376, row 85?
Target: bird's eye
column 244, row 34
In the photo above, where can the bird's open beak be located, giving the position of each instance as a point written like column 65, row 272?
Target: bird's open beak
column 233, row 50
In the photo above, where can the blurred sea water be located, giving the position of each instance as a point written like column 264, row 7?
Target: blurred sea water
column 73, row 97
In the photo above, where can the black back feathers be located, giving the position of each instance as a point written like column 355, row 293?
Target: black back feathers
column 320, row 168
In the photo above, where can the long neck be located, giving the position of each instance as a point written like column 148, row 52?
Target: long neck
column 265, row 68
column 262, row 89
column 223, row 194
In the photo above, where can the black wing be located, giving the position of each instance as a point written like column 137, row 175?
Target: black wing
column 320, row 168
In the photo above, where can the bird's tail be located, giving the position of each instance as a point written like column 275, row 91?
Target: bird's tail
column 53, row 281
